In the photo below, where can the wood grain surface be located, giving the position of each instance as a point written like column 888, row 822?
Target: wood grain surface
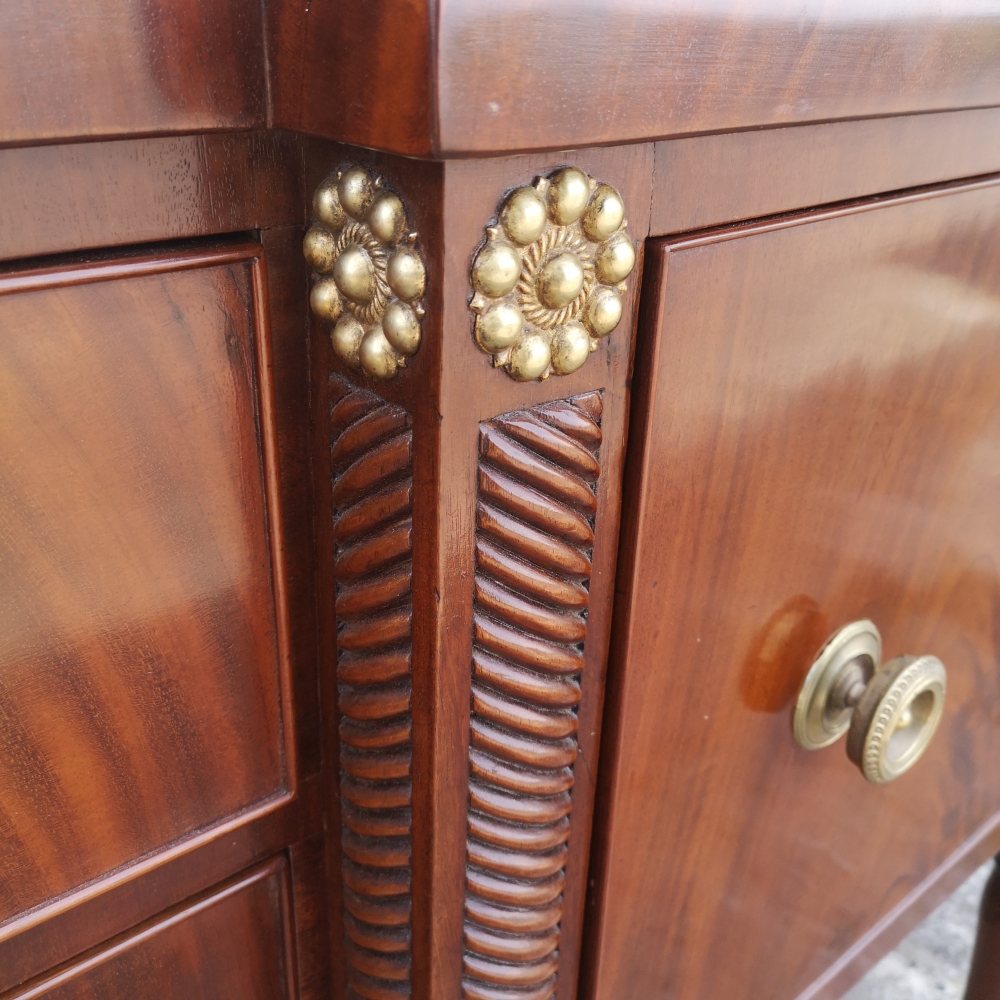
column 145, row 663
column 466, row 78
column 107, row 68
column 233, row 942
column 817, row 417
column 711, row 180
column 85, row 196
column 463, row 78
column 450, row 388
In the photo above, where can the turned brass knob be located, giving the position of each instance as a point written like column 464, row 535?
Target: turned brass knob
column 889, row 712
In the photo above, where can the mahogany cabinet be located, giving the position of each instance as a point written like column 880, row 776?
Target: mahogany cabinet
column 816, row 399
column 437, row 443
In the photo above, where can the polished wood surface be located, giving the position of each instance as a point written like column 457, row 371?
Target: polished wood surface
column 710, row 180
column 463, row 78
column 450, row 388
column 234, row 942
column 984, row 975
column 145, row 662
column 817, row 410
column 539, row 472
column 466, row 78
column 56, row 934
column 112, row 68
column 358, row 71
column 58, row 199
column 371, row 456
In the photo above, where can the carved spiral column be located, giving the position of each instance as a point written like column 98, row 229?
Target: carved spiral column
column 537, row 475
column 372, row 496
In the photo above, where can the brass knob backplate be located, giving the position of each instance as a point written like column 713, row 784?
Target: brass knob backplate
column 890, row 712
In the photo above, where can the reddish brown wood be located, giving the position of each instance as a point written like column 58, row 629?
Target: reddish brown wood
column 420, row 184
column 984, row 976
column 231, row 942
column 166, row 734
column 364, row 75
column 312, row 928
column 90, row 195
column 449, row 389
column 117, row 903
column 538, row 472
column 710, row 180
column 372, row 494
column 816, row 396
column 106, row 68
column 467, row 78
column 289, row 338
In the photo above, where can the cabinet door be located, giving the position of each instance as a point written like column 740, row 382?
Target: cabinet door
column 144, row 678
column 817, row 441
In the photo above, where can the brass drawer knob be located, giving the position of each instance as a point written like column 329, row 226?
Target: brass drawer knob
column 889, row 712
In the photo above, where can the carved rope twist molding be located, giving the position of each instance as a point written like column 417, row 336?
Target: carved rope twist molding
column 371, row 457
column 538, row 471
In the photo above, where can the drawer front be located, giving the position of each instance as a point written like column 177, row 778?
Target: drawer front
column 819, row 428
column 141, row 673
column 230, row 945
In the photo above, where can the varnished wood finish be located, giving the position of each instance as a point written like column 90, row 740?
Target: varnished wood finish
column 470, row 392
column 371, row 457
column 145, row 665
column 534, row 533
column 467, row 78
column 984, row 975
column 234, row 942
column 108, row 68
column 710, row 180
column 818, row 398
column 464, row 78
column 360, row 72
column 450, row 388
column 85, row 196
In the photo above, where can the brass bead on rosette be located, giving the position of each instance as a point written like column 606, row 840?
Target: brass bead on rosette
column 548, row 279
column 368, row 275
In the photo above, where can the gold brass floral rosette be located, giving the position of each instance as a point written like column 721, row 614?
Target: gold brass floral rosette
column 368, row 276
column 548, row 280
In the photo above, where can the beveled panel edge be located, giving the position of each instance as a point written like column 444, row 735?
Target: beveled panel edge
column 74, row 923
column 277, row 865
column 805, row 217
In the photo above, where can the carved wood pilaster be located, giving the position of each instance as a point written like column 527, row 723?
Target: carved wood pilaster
column 537, row 475
column 371, row 460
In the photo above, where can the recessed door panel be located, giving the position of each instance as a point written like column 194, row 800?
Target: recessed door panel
column 817, row 442
column 140, row 663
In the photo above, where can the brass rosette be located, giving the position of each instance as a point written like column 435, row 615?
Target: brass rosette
column 368, row 277
column 549, row 278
